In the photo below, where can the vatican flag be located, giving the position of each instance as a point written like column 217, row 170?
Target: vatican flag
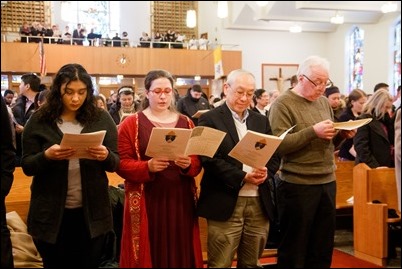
column 218, row 62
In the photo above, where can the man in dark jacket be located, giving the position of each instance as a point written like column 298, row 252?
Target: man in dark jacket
column 235, row 198
column 24, row 107
column 192, row 102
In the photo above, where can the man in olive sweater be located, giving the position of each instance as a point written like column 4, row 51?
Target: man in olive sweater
column 306, row 191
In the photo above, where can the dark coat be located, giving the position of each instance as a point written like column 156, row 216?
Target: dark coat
column 372, row 144
column 223, row 175
column 7, row 153
column 50, row 179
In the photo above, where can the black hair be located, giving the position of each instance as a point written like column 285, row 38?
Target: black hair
column 8, row 92
column 53, row 108
column 33, row 81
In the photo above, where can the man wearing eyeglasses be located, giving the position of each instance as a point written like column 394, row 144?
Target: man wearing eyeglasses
column 306, row 191
column 235, row 198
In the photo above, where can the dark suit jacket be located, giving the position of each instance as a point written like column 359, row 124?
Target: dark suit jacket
column 223, row 175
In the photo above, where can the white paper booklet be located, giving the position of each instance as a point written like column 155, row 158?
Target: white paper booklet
column 173, row 142
column 255, row 149
column 199, row 113
column 81, row 142
column 351, row 125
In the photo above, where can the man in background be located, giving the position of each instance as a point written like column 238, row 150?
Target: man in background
column 192, row 102
column 24, row 107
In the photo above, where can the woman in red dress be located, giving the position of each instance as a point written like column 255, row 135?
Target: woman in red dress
column 160, row 226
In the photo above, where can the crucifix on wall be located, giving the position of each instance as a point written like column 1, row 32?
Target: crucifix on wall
column 277, row 76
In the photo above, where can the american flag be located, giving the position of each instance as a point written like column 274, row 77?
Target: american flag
column 42, row 59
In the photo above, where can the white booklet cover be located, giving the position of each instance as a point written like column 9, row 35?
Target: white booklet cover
column 255, row 149
column 173, row 142
column 81, row 142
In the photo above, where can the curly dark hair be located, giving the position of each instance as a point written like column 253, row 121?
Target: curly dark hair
column 53, row 108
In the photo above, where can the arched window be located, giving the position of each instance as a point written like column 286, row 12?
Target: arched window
column 356, row 56
column 397, row 56
column 103, row 16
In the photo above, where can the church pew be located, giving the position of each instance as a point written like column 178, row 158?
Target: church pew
column 20, row 193
column 370, row 220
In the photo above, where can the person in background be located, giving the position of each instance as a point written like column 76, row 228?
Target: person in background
column 8, row 97
column 100, row 101
column 398, row 155
column 67, row 35
column 354, row 106
column 381, row 85
column 192, row 102
column 235, row 198
column 24, row 107
column 261, row 100
column 77, row 34
column 307, row 187
column 374, row 142
column 273, row 94
column 293, row 82
column 160, row 226
column 40, row 98
column 70, row 215
column 334, row 98
column 111, row 100
column 7, row 164
column 116, row 40
column 125, row 104
column 125, row 41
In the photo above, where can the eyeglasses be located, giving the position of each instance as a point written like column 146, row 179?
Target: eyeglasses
column 328, row 84
column 160, row 91
column 240, row 94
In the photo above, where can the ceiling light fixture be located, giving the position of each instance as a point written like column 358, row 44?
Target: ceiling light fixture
column 191, row 19
column 295, row 28
column 389, row 7
column 262, row 3
column 337, row 19
column 223, row 9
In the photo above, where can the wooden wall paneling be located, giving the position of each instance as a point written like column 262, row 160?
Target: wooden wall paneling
column 24, row 57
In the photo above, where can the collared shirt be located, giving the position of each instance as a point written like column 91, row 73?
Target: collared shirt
column 248, row 190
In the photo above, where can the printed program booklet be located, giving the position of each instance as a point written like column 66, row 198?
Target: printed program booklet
column 81, row 142
column 352, row 124
column 173, row 142
column 255, row 149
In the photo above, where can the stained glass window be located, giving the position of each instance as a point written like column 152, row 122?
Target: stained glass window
column 397, row 56
column 356, row 56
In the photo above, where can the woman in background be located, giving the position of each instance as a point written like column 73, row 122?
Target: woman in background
column 70, row 216
column 160, row 226
column 125, row 104
column 354, row 106
column 374, row 142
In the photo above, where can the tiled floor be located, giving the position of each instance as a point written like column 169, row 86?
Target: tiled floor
column 344, row 242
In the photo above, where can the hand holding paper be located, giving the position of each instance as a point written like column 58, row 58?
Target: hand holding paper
column 255, row 149
column 81, row 142
column 352, row 124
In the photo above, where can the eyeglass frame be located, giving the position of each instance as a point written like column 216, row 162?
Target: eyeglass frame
column 240, row 95
column 328, row 84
